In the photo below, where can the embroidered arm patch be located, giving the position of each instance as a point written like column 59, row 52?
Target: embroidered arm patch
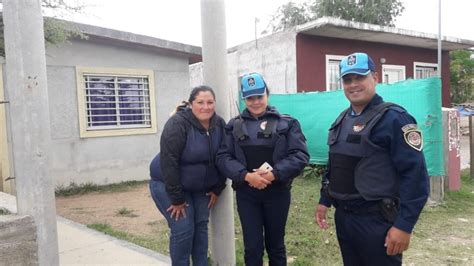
column 413, row 136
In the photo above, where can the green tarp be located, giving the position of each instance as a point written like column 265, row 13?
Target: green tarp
column 317, row 110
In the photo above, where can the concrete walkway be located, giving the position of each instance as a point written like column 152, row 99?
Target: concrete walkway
column 79, row 245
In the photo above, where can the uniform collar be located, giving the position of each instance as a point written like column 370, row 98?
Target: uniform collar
column 270, row 112
column 376, row 100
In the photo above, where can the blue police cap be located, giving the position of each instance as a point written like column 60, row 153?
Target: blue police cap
column 357, row 63
column 252, row 85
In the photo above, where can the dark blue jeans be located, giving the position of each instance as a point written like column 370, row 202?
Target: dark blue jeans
column 361, row 239
column 188, row 236
column 263, row 215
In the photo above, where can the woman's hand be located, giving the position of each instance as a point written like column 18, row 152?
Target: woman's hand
column 267, row 174
column 177, row 211
column 212, row 200
column 256, row 180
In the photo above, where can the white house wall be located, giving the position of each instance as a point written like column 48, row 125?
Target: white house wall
column 104, row 160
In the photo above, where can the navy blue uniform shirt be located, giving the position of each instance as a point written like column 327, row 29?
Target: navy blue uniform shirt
column 408, row 162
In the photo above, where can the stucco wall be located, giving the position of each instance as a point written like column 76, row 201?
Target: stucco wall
column 273, row 56
column 104, row 160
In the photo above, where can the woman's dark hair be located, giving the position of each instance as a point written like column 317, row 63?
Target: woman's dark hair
column 192, row 96
column 196, row 90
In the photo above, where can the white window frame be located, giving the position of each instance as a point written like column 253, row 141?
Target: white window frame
column 395, row 67
column 85, row 131
column 330, row 57
column 422, row 64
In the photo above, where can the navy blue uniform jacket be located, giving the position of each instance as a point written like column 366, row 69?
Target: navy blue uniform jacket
column 408, row 162
column 290, row 154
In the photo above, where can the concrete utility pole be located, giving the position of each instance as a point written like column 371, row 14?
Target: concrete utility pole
column 439, row 40
column 29, row 117
column 214, row 54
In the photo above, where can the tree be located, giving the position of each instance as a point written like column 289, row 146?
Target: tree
column 289, row 15
column 380, row 12
column 462, row 76
column 55, row 31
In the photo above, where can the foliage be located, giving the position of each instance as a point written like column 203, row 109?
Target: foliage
column 462, row 76
column 75, row 189
column 380, row 12
column 289, row 15
column 126, row 213
column 55, row 31
column 314, row 171
column 4, row 211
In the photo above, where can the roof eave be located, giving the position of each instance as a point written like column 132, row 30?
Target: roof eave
column 344, row 29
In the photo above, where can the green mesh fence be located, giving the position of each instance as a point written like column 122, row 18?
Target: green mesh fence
column 317, row 110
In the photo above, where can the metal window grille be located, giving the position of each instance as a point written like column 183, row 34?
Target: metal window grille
column 425, row 72
column 333, row 68
column 117, row 102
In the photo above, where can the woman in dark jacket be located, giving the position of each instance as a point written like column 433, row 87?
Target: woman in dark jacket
column 185, row 181
column 262, row 152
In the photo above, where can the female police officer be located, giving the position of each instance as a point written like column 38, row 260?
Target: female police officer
column 262, row 152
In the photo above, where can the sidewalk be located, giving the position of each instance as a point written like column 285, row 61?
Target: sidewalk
column 79, row 245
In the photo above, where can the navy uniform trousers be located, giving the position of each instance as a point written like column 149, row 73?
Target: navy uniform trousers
column 361, row 236
column 264, row 213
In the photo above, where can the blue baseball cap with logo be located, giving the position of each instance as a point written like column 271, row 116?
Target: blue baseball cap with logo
column 357, row 63
column 252, row 85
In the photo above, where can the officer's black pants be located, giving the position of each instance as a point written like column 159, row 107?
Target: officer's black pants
column 362, row 237
column 263, row 214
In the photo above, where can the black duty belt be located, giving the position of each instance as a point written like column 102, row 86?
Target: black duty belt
column 361, row 210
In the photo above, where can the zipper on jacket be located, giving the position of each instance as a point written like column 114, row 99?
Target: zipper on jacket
column 209, row 142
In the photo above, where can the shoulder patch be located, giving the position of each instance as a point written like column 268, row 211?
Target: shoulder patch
column 407, row 127
column 413, row 138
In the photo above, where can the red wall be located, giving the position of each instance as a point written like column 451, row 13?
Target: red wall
column 311, row 54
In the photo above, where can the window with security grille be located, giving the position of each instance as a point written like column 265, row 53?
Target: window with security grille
column 425, row 70
column 332, row 72
column 115, row 103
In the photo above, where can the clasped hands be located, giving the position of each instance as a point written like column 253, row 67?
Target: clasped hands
column 259, row 179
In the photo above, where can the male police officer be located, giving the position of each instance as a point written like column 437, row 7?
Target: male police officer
column 376, row 177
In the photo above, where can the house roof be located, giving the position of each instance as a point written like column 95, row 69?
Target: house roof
column 344, row 29
column 194, row 53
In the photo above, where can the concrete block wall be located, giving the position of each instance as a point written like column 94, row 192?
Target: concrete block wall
column 273, row 56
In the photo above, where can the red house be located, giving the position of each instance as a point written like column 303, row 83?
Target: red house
column 306, row 58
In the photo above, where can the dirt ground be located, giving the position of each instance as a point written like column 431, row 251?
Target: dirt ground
column 104, row 208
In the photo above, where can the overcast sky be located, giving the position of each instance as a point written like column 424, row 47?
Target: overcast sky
column 179, row 20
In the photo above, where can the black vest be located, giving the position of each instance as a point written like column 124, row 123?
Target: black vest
column 358, row 167
column 257, row 140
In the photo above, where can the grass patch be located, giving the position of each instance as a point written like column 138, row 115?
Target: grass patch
column 4, row 211
column 75, row 189
column 126, row 212
column 157, row 243
column 444, row 234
